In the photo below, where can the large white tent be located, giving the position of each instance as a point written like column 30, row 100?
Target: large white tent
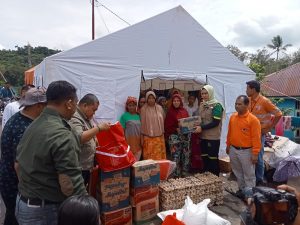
column 171, row 46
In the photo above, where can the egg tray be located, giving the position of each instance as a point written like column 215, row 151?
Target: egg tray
column 173, row 192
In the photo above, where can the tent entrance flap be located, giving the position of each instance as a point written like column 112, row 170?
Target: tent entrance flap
column 162, row 80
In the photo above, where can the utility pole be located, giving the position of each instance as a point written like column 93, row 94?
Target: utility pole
column 29, row 55
column 93, row 20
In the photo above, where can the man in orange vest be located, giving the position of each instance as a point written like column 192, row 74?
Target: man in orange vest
column 263, row 109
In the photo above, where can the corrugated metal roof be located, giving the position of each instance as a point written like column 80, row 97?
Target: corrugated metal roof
column 285, row 82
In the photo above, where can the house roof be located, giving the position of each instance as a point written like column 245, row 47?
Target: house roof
column 283, row 83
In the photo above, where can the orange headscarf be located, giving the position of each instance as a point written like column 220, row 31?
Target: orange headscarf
column 130, row 99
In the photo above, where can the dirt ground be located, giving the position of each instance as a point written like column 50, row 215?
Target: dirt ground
column 230, row 210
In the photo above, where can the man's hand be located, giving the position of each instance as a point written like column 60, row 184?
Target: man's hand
column 227, row 150
column 254, row 159
column 103, row 126
column 291, row 190
column 198, row 130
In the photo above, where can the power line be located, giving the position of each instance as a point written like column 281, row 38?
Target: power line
column 100, row 14
column 112, row 12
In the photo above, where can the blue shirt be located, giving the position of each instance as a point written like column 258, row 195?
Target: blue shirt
column 10, row 138
column 6, row 93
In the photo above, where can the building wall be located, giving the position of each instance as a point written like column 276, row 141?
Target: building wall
column 288, row 103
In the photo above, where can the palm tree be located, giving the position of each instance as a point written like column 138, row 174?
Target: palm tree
column 277, row 45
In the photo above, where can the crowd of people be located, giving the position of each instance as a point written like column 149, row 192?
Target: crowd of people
column 48, row 145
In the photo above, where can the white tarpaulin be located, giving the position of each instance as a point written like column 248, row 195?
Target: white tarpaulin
column 171, row 46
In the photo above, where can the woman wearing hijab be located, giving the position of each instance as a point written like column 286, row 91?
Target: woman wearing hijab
column 162, row 101
column 152, row 129
column 131, row 123
column 211, row 113
column 179, row 144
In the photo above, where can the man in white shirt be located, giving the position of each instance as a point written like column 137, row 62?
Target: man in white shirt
column 13, row 107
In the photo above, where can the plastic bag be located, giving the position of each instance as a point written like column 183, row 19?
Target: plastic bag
column 194, row 214
column 211, row 217
column 114, row 152
column 93, row 181
column 172, row 220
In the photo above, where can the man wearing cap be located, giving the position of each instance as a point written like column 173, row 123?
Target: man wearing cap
column 263, row 109
column 47, row 161
column 33, row 103
column 14, row 107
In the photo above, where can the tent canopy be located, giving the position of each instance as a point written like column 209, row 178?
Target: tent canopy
column 171, row 46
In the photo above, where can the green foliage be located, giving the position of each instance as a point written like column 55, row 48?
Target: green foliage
column 242, row 56
column 13, row 63
column 296, row 57
column 277, row 45
column 285, row 111
column 259, row 69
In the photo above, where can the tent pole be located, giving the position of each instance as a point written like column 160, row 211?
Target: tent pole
column 142, row 74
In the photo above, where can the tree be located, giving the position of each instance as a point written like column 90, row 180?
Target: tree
column 277, row 45
column 261, row 57
column 258, row 69
column 242, row 56
column 296, row 57
column 13, row 63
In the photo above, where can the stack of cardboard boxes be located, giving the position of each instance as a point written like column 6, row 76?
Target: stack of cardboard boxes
column 112, row 192
column 144, row 191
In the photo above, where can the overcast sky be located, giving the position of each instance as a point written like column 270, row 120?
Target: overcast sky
column 63, row 24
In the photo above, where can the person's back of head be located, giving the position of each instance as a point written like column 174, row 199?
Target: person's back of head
column 79, row 210
column 59, row 91
column 61, row 96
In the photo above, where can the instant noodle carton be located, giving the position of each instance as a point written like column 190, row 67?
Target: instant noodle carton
column 145, row 210
column 145, row 173
column 117, row 217
column 140, row 194
column 188, row 125
column 113, row 190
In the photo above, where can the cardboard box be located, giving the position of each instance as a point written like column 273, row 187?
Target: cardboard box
column 117, row 217
column 187, row 125
column 140, row 194
column 145, row 210
column 224, row 164
column 113, row 190
column 145, row 173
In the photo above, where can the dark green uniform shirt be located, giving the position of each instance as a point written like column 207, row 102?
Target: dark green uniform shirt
column 48, row 149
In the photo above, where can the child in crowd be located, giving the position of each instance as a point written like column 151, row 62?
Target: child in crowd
column 79, row 210
column 191, row 107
